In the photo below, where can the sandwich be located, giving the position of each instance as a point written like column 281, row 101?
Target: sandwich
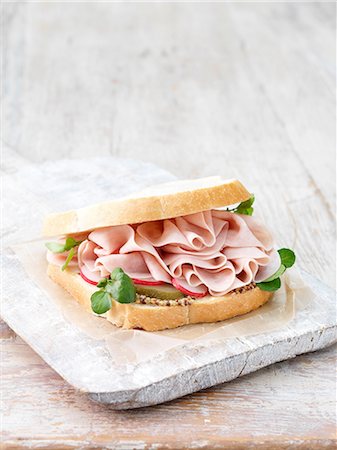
column 174, row 254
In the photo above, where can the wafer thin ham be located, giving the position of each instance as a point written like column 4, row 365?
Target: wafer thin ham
column 214, row 250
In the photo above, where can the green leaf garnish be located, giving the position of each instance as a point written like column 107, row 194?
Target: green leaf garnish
column 287, row 256
column 277, row 274
column 69, row 258
column 102, row 282
column 117, row 274
column 68, row 245
column 119, row 287
column 270, row 286
column 245, row 207
column 57, row 247
column 122, row 288
column 273, row 282
column 101, row 302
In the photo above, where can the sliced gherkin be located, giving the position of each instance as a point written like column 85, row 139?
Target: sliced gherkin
column 163, row 291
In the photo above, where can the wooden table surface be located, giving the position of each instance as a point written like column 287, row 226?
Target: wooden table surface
column 238, row 89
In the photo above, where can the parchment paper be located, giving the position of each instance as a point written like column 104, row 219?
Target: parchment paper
column 133, row 346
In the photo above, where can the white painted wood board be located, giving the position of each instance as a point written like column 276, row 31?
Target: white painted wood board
column 85, row 363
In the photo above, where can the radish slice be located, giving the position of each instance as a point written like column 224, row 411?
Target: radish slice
column 185, row 291
column 147, row 283
column 87, row 279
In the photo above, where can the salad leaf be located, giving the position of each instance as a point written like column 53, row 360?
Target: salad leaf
column 119, row 287
column 245, row 207
column 68, row 245
column 270, row 286
column 55, row 247
column 277, row 274
column 102, row 283
column 58, row 247
column 287, row 256
column 101, row 302
column 122, row 288
column 69, row 258
column 273, row 282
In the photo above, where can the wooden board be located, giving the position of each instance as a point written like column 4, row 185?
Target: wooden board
column 85, row 362
column 43, row 411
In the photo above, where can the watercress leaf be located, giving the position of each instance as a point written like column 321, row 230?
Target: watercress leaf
column 270, row 286
column 102, row 283
column 55, row 247
column 69, row 243
column 100, row 302
column 124, row 291
column 247, row 203
column 121, row 287
column 247, row 211
column 69, row 258
column 109, row 287
column 58, row 247
column 277, row 274
column 117, row 274
column 245, row 207
column 287, row 256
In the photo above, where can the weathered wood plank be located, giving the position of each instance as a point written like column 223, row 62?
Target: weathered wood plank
column 247, row 92
column 259, row 407
column 242, row 90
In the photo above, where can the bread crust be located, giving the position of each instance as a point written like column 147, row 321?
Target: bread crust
column 170, row 200
column 156, row 318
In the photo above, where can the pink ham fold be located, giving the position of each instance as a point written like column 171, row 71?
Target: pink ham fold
column 215, row 250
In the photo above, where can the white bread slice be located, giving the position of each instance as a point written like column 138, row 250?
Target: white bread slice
column 155, row 318
column 162, row 201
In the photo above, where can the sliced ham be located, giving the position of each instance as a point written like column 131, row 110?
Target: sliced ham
column 214, row 250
